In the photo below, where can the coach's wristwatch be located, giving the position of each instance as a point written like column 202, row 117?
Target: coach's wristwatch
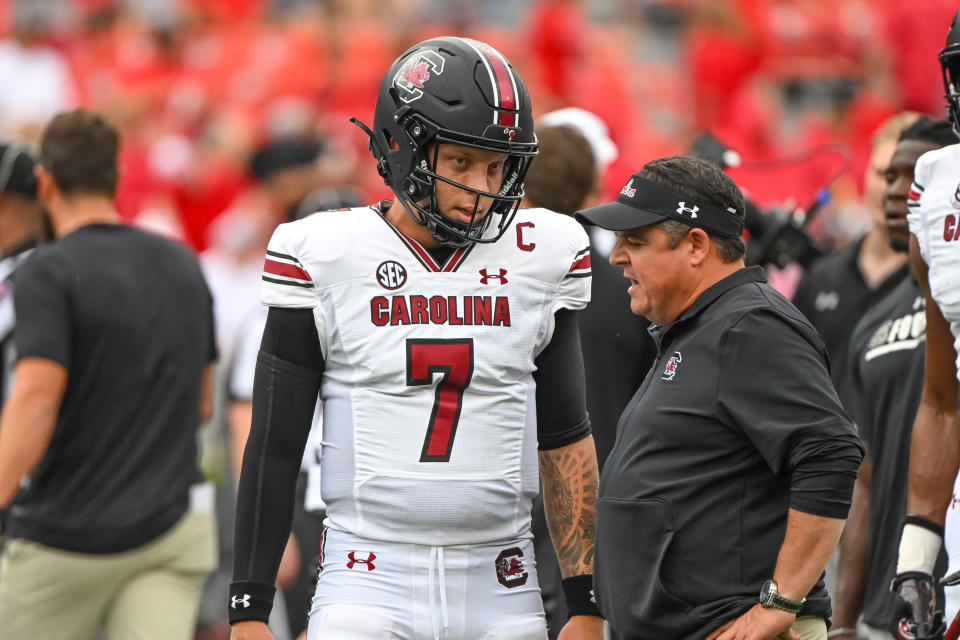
column 771, row 599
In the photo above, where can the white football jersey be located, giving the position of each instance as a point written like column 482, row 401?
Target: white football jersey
column 934, row 218
column 429, row 417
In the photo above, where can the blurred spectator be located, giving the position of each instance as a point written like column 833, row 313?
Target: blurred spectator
column 22, row 227
column 837, row 289
column 285, row 172
column 35, row 79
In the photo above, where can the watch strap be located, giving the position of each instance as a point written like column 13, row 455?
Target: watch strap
column 777, row 601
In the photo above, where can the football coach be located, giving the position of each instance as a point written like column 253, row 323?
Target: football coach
column 733, row 469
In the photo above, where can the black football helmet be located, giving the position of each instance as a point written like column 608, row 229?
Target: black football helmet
column 454, row 91
column 950, row 66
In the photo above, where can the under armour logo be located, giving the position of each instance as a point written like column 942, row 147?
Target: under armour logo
column 485, row 277
column 593, row 598
column 368, row 561
column 628, row 190
column 245, row 601
column 681, row 209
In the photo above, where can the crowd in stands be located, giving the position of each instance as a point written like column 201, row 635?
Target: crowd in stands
column 233, row 114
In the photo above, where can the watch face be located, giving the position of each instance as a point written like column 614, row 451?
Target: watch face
column 766, row 591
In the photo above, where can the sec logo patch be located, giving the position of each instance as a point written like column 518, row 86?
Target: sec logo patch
column 391, row 275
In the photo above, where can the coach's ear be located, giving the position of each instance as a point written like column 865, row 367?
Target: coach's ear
column 697, row 245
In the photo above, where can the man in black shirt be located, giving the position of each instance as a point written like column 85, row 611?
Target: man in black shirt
column 111, row 527
column 838, row 287
column 886, row 378
column 734, row 462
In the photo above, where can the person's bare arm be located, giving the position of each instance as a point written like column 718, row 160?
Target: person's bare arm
column 570, row 480
column 934, row 446
column 806, row 547
column 28, row 420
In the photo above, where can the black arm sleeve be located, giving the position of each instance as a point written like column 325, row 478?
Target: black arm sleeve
column 561, row 399
column 285, row 387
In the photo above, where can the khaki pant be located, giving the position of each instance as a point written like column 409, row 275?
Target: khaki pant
column 149, row 593
column 811, row 628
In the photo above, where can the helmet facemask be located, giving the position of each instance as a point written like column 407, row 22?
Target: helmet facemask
column 418, row 193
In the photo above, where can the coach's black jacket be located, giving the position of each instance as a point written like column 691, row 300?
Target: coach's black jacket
column 736, row 422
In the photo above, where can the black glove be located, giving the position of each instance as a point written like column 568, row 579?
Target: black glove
column 916, row 607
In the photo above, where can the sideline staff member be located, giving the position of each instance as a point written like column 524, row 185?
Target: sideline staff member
column 734, row 464
column 110, row 526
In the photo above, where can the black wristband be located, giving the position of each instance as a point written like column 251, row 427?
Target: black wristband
column 250, row 600
column 578, row 592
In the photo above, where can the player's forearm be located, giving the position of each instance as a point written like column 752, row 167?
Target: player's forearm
column 806, row 547
column 570, row 481
column 934, row 459
column 852, row 564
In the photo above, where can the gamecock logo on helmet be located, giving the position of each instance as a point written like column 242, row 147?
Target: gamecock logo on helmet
column 511, row 569
column 415, row 73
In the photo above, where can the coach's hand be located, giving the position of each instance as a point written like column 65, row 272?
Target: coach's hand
column 582, row 628
column 759, row 623
column 250, row 630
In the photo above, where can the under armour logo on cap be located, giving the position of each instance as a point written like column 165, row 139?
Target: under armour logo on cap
column 245, row 601
column 681, row 209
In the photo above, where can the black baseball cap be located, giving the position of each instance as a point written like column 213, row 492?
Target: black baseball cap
column 16, row 170
column 642, row 202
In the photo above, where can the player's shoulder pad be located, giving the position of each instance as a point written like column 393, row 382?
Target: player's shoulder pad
column 298, row 252
column 942, row 159
column 322, row 238
column 562, row 254
column 560, row 235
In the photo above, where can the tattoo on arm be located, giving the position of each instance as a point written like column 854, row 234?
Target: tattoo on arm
column 570, row 481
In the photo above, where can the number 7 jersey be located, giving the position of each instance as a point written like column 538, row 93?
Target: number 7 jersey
column 429, row 415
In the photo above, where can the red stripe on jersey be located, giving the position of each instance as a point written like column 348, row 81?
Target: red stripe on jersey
column 423, row 253
column 505, row 86
column 287, row 270
column 582, row 262
column 454, row 261
column 913, row 194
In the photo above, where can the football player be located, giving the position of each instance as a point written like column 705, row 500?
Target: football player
column 934, row 203
column 440, row 330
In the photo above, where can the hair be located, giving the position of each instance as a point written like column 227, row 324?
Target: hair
column 563, row 173
column 79, row 151
column 936, row 132
column 707, row 182
column 891, row 128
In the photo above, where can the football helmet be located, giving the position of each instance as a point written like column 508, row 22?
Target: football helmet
column 452, row 90
column 950, row 67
